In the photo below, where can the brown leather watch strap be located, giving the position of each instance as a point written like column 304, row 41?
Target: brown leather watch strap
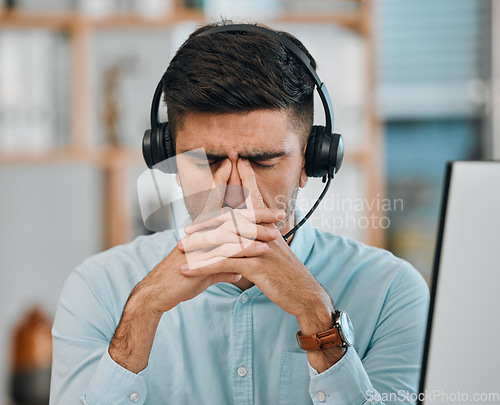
column 320, row 340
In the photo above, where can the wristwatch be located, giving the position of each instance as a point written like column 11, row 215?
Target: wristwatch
column 342, row 334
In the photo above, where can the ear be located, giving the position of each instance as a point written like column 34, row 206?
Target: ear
column 303, row 178
column 303, row 175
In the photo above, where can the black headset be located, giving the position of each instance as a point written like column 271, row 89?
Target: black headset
column 325, row 149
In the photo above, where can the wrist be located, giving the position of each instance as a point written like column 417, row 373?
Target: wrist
column 322, row 321
column 144, row 301
column 134, row 335
column 317, row 320
column 138, row 307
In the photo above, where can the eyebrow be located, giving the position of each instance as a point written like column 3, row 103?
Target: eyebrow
column 256, row 155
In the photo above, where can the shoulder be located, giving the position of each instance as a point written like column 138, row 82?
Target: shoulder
column 141, row 253
column 341, row 258
column 111, row 275
column 343, row 250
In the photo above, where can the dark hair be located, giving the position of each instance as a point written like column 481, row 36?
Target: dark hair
column 237, row 72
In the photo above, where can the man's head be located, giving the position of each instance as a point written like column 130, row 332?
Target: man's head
column 233, row 72
column 241, row 94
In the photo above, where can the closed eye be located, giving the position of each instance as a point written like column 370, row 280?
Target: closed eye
column 205, row 165
column 263, row 166
column 255, row 163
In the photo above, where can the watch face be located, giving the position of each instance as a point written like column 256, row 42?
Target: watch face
column 346, row 328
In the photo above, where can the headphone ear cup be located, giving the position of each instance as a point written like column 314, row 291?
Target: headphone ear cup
column 146, row 149
column 313, row 167
column 166, row 151
column 169, row 165
column 339, row 152
column 168, row 141
column 324, row 152
column 158, row 149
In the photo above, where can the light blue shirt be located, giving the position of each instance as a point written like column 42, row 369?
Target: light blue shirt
column 231, row 347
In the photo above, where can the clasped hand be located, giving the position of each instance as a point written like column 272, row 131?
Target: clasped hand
column 224, row 248
column 219, row 233
column 246, row 242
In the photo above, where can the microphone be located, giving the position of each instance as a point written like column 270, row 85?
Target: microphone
column 310, row 212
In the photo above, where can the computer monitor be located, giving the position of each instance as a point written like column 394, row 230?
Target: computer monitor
column 461, row 362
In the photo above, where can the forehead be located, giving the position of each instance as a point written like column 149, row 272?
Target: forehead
column 238, row 133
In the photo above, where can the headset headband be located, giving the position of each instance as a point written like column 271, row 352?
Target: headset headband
column 299, row 53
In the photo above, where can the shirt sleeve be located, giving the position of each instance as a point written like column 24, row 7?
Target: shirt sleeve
column 82, row 370
column 389, row 372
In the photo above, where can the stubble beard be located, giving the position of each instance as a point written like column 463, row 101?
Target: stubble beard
column 289, row 207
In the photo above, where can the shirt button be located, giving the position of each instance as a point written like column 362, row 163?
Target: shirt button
column 320, row 396
column 134, row 397
column 244, row 298
column 242, row 371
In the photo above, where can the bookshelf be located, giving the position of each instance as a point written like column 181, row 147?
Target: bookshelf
column 115, row 162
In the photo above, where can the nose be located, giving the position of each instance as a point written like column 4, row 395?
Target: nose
column 234, row 196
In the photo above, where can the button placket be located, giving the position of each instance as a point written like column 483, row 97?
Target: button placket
column 242, row 349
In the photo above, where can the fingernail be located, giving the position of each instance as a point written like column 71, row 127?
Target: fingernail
column 185, row 267
column 245, row 162
column 280, row 214
column 261, row 247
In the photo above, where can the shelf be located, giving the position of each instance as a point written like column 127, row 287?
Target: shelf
column 72, row 20
column 134, row 21
column 103, row 157
column 24, row 19
column 68, row 20
column 348, row 20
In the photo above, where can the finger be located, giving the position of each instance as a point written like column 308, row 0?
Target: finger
column 242, row 232
column 214, row 265
column 207, row 240
column 221, row 177
column 218, row 189
column 250, row 230
column 193, row 269
column 223, row 233
column 259, row 215
column 208, row 216
column 225, row 252
column 253, row 249
column 211, row 239
column 225, row 277
column 234, row 250
column 247, row 175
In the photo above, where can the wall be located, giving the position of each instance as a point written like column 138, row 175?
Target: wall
column 49, row 222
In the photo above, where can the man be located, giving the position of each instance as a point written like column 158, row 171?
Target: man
column 212, row 318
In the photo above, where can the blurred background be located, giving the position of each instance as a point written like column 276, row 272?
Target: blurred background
column 414, row 84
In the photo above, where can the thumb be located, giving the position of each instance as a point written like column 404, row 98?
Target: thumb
column 225, row 277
